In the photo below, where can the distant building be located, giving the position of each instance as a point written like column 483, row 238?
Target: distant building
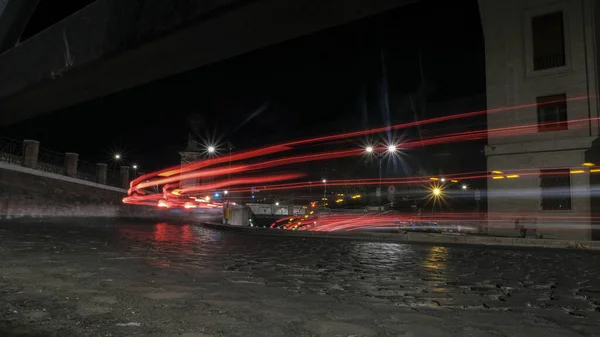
column 542, row 54
column 193, row 152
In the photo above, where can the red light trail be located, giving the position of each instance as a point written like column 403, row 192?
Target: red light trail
column 180, row 191
column 174, row 170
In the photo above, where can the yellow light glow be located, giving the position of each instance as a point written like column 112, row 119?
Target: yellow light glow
column 497, row 172
column 176, row 192
column 435, row 179
column 588, row 164
column 577, row 171
column 498, row 177
column 207, row 198
column 169, row 173
column 339, row 201
column 512, row 176
column 454, row 181
column 595, row 171
column 436, row 195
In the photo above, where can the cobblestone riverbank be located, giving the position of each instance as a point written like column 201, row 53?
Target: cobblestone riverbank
column 148, row 279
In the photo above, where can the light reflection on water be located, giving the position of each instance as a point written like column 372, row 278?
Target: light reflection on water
column 436, row 258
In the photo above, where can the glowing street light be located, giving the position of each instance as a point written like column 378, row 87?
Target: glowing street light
column 226, row 192
column 277, row 203
column 324, row 181
column 464, row 187
column 369, row 149
column 437, row 191
column 211, row 149
column 134, row 167
column 443, row 180
column 392, row 148
column 117, row 156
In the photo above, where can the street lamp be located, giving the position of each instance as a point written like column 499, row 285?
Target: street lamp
column 135, row 167
column 226, row 192
column 437, row 191
column 325, row 190
column 277, row 203
column 443, row 180
column 211, row 149
column 391, row 149
column 464, row 187
column 117, row 156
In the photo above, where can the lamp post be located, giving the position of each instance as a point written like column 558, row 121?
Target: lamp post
column 325, row 189
column 390, row 149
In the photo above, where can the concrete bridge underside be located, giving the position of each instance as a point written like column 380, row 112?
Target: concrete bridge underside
column 113, row 45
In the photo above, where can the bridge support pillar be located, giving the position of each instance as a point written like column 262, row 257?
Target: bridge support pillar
column 31, row 149
column 101, row 170
column 239, row 215
column 71, row 164
column 124, row 171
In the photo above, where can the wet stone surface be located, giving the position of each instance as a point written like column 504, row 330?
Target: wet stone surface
column 149, row 279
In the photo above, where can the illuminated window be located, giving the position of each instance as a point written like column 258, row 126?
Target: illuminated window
column 556, row 189
column 548, row 39
column 552, row 113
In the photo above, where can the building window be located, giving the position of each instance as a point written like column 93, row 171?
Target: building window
column 548, row 39
column 556, row 189
column 552, row 113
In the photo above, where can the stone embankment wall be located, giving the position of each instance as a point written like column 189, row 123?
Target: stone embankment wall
column 29, row 193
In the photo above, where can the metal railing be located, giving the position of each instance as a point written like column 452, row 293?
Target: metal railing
column 51, row 161
column 113, row 177
column 11, row 150
column 86, row 170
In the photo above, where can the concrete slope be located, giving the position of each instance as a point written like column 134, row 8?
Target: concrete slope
column 113, row 45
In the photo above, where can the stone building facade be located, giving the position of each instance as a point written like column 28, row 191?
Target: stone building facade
column 542, row 64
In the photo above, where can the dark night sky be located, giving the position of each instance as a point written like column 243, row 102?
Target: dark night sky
column 314, row 85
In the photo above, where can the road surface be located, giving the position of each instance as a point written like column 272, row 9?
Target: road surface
column 146, row 279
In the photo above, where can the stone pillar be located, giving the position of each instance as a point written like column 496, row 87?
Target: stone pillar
column 71, row 164
column 31, row 149
column 101, row 170
column 124, row 177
